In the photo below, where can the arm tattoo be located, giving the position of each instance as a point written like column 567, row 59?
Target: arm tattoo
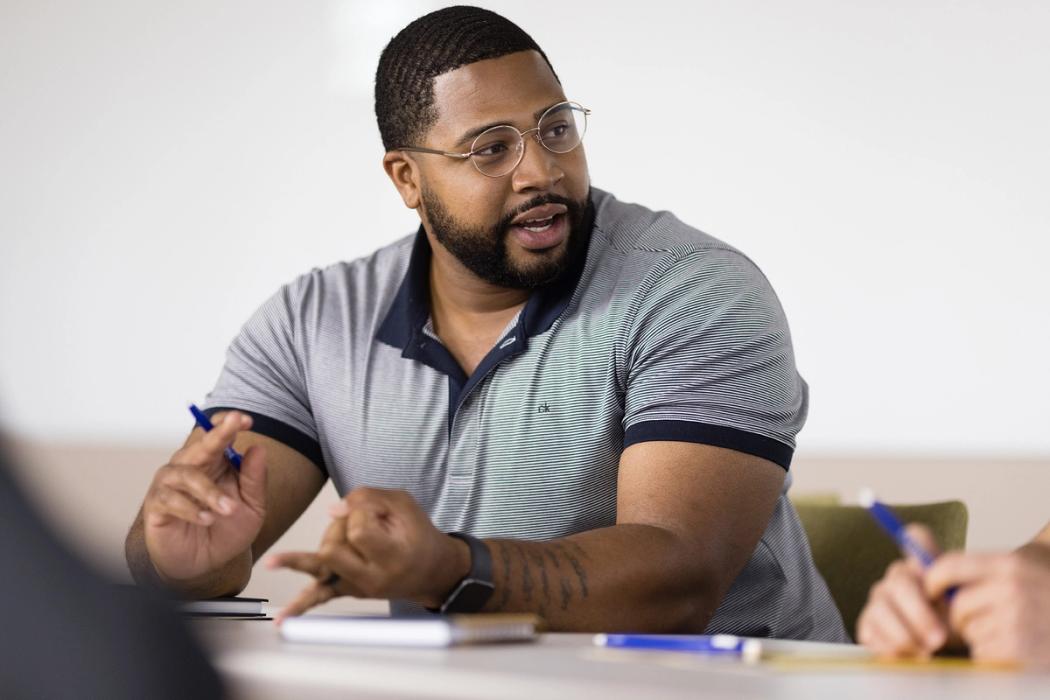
column 577, row 567
column 526, row 573
column 537, row 559
column 504, row 595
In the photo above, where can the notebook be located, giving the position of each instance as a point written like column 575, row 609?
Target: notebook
column 225, row 607
column 429, row 631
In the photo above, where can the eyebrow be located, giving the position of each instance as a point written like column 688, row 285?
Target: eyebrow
column 469, row 136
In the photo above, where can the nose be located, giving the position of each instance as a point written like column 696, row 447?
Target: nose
column 539, row 169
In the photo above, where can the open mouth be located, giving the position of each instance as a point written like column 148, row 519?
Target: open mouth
column 538, row 225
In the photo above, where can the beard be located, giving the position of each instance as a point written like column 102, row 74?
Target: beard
column 483, row 250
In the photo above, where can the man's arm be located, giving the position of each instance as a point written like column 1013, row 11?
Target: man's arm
column 292, row 482
column 688, row 518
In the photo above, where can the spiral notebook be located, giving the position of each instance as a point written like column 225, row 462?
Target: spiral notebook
column 429, row 631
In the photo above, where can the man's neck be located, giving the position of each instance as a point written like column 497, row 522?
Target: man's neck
column 468, row 313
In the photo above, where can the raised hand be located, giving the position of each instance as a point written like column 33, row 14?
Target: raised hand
column 199, row 513
column 380, row 544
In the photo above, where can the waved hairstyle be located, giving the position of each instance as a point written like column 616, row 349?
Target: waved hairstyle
column 430, row 46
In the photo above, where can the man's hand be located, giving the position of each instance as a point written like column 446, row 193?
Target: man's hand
column 1002, row 607
column 200, row 513
column 900, row 619
column 380, row 544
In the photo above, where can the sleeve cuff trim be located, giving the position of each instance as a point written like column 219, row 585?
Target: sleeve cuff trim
column 281, row 432
column 715, row 435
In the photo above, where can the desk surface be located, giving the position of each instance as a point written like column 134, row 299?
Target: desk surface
column 257, row 664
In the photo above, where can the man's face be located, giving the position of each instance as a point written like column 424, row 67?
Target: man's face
column 478, row 219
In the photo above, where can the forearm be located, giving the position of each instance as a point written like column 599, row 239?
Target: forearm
column 625, row 577
column 227, row 580
column 1043, row 537
column 1039, row 548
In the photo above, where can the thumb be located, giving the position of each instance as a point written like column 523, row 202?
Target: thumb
column 922, row 536
column 252, row 479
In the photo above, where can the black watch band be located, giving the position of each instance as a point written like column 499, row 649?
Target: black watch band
column 475, row 589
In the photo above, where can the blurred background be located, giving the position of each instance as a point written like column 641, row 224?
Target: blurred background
column 164, row 167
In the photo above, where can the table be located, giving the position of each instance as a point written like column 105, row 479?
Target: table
column 257, row 664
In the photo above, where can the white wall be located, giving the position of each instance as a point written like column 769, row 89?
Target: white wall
column 164, row 166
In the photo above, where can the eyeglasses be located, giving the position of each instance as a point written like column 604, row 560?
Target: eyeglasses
column 498, row 151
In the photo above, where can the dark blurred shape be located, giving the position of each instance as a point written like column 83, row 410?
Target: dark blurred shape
column 66, row 632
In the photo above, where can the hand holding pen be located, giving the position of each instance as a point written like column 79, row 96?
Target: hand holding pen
column 900, row 618
column 201, row 513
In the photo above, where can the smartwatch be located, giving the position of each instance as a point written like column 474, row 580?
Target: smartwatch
column 474, row 589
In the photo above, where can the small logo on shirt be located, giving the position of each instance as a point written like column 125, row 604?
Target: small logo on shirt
column 543, row 408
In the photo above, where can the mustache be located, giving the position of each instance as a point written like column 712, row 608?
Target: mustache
column 572, row 205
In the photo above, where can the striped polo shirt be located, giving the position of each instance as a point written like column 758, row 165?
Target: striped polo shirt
column 658, row 332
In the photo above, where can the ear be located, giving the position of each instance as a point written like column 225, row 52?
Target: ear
column 404, row 173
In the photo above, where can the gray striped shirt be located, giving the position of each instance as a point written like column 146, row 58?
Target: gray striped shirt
column 660, row 332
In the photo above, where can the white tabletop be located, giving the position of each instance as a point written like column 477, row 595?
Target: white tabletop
column 257, row 663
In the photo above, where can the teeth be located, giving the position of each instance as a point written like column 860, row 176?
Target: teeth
column 537, row 225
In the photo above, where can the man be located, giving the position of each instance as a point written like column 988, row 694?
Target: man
column 1000, row 608
column 597, row 400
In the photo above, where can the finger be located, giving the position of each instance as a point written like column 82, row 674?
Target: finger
column 905, row 595
column 252, row 479
column 305, row 562
column 956, row 569
column 972, row 603
column 167, row 502
column 922, row 536
column 378, row 500
column 215, row 441
column 899, row 610
column 870, row 634
column 367, row 534
column 987, row 640
column 193, row 482
column 311, row 596
column 885, row 634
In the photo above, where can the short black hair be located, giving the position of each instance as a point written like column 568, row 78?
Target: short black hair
column 430, row 46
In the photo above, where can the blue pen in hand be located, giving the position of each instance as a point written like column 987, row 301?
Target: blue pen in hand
column 895, row 528
column 232, row 455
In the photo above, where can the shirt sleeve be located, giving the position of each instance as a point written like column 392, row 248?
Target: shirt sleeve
column 264, row 374
column 708, row 359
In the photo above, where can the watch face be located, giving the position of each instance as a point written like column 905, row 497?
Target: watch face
column 470, row 596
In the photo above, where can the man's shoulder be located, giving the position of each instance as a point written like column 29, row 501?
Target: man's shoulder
column 371, row 274
column 652, row 240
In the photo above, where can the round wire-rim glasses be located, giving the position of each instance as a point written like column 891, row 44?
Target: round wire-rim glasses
column 498, row 150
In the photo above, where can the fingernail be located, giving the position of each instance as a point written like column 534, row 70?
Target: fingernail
column 205, row 517
column 935, row 639
column 226, row 505
column 339, row 509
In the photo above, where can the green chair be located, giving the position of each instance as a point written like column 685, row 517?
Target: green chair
column 852, row 552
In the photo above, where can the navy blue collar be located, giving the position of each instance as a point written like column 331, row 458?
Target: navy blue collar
column 403, row 325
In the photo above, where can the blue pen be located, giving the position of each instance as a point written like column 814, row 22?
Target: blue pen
column 232, row 455
column 714, row 644
column 889, row 522
column 894, row 527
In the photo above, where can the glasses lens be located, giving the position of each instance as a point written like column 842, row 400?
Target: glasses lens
column 562, row 127
column 497, row 151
